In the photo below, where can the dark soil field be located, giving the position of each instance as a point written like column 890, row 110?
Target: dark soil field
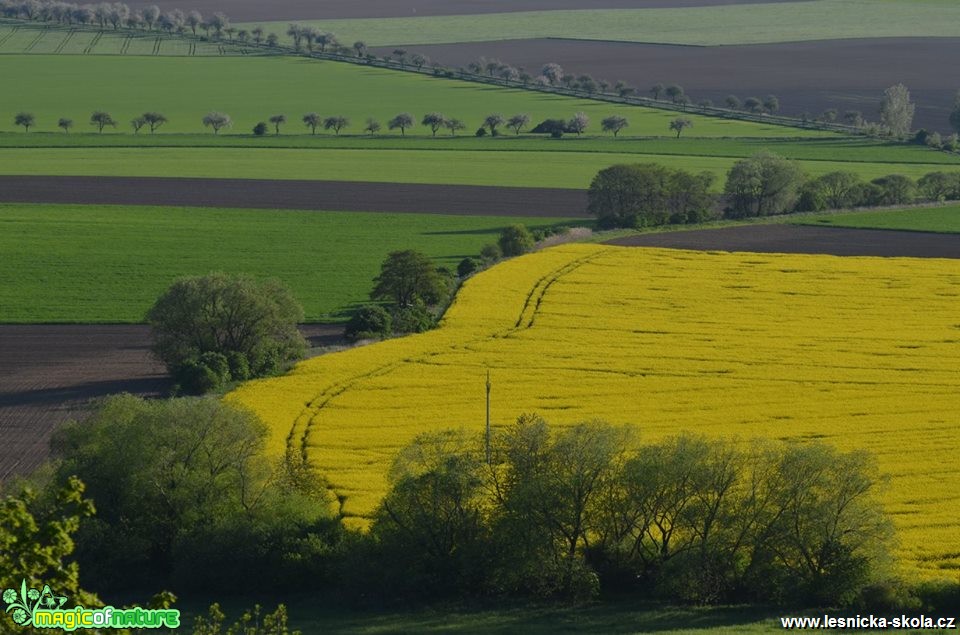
column 307, row 195
column 806, row 76
column 801, row 239
column 250, row 10
column 50, row 374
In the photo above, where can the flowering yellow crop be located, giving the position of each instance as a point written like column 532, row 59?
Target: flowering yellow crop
column 859, row 352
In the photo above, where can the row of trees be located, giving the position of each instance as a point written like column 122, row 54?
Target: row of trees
column 435, row 121
column 643, row 195
column 118, row 15
column 535, row 512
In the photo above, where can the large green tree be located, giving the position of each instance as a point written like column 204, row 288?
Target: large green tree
column 648, row 194
column 896, row 110
column 407, row 277
column 762, row 185
column 217, row 318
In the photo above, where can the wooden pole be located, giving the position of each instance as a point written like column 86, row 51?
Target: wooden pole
column 488, row 418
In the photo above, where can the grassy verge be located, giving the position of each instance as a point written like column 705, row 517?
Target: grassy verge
column 572, row 170
column 945, row 220
column 108, row 264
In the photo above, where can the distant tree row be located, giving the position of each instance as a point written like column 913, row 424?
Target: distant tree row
column 644, row 195
column 435, row 121
column 118, row 15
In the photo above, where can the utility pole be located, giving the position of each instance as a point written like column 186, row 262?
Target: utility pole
column 488, row 418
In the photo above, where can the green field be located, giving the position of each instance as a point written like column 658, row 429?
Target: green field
column 944, row 220
column 252, row 89
column 718, row 25
column 572, row 170
column 108, row 264
column 18, row 38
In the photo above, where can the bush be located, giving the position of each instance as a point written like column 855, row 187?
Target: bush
column 260, row 129
column 415, row 318
column 490, row 253
column 763, row 185
column 481, row 132
column 894, row 189
column 466, row 267
column 515, row 240
column 369, row 322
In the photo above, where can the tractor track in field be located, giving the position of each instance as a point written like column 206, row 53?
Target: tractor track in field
column 301, row 195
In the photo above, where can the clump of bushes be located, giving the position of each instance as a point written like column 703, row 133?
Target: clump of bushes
column 210, row 330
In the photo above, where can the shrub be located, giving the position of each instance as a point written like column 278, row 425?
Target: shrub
column 369, row 322
column 415, row 318
column 490, row 253
column 481, row 132
column 466, row 267
column 260, row 129
column 515, row 240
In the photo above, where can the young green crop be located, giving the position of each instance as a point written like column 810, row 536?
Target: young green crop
column 77, row 263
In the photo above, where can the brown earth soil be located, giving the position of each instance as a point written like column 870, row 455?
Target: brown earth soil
column 252, row 10
column 806, row 76
column 51, row 373
column 804, row 239
column 306, row 195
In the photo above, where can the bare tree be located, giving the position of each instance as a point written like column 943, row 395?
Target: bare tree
column 193, row 19
column 492, row 121
column 272, row 40
column 372, row 127
column 680, row 124
column 137, row 123
column 217, row 121
column 453, row 125
column 257, row 33
column 65, row 123
column 335, row 123
column 150, row 16
column 325, row 40
column 154, row 120
column 24, row 119
column 771, row 104
column 401, row 55
column 102, row 119
column 657, row 91
column 296, row 32
column 553, row 72
column 277, row 121
column 360, row 47
column 403, row 121
column 732, row 102
column 434, row 120
column 623, row 89
column 518, row 122
column 579, row 123
column 754, row 105
column 312, row 120
column 674, row 92
column 614, row 124
column 418, row 60
column 896, row 110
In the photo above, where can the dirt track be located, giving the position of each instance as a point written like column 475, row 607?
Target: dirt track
column 50, row 373
column 251, row 10
column 803, row 239
column 307, row 195
column 806, row 76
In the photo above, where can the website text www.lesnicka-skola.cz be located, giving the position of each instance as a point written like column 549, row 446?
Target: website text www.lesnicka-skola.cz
column 869, row 621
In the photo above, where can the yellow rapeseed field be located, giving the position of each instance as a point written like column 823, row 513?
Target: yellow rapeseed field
column 857, row 352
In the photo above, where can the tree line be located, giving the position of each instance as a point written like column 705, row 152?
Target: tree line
column 532, row 511
column 645, row 195
column 434, row 121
